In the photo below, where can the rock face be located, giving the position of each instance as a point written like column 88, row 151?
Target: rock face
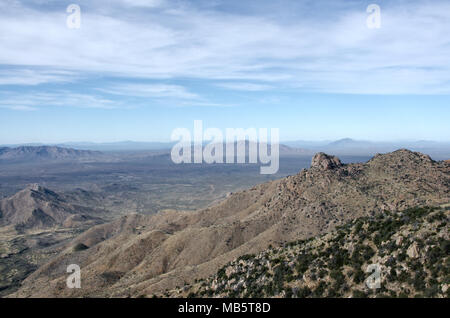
column 159, row 252
column 325, row 162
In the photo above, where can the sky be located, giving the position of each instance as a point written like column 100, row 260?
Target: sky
column 138, row 69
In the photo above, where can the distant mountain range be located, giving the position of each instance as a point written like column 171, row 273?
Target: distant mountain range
column 113, row 152
column 56, row 153
column 346, row 146
column 119, row 146
column 47, row 153
column 107, row 146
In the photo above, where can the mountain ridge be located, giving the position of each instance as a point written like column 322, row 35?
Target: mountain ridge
column 150, row 254
column 36, row 207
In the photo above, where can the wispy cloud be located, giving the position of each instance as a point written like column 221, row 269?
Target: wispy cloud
column 19, row 107
column 306, row 49
column 150, row 90
column 35, row 100
column 142, row 3
column 239, row 86
column 30, row 76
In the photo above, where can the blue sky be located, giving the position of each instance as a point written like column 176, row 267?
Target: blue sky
column 137, row 69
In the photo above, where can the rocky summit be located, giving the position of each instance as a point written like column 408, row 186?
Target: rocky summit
column 325, row 162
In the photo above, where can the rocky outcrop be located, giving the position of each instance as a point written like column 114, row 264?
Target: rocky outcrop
column 323, row 161
column 413, row 250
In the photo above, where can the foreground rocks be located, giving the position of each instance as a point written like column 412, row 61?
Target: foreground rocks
column 339, row 264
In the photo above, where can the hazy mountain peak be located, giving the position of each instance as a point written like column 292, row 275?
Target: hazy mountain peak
column 344, row 142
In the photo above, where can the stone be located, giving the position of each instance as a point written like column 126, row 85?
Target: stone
column 413, row 250
column 323, row 161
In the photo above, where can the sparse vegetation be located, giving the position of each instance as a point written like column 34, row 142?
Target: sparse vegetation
column 334, row 265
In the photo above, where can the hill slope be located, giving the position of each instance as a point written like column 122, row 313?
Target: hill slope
column 36, row 207
column 411, row 248
column 139, row 255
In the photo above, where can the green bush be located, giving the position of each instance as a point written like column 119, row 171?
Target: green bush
column 359, row 294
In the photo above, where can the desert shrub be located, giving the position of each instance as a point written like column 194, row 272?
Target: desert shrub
column 340, row 259
column 302, row 263
column 445, row 248
column 403, row 276
column 288, row 292
column 269, row 289
column 332, row 293
column 80, row 247
column 246, row 257
column 337, row 276
column 358, row 226
column 318, row 292
column 367, row 253
column 304, row 292
column 112, row 277
column 221, row 274
column 439, row 216
column 419, row 281
column 359, row 276
column 359, row 294
column 401, row 256
column 322, row 273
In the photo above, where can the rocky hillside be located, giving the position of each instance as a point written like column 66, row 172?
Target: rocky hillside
column 36, row 207
column 35, row 223
column 44, row 153
column 144, row 255
column 411, row 248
